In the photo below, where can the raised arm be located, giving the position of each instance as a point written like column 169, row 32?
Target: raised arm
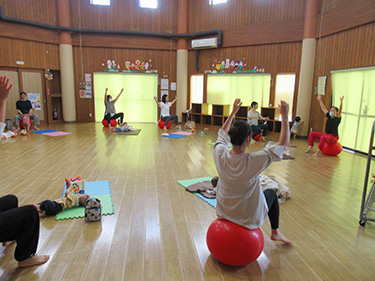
column 68, row 190
column 236, row 106
column 340, row 108
column 322, row 106
column 156, row 100
column 105, row 96
column 174, row 100
column 4, row 95
column 119, row 95
column 284, row 134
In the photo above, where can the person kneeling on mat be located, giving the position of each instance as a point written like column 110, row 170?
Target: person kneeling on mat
column 70, row 200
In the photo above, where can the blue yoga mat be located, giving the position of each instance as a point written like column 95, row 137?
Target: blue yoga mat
column 175, row 136
column 186, row 183
column 44, row 131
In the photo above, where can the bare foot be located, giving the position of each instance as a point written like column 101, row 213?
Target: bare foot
column 253, row 141
column 36, row 128
column 7, row 243
column 263, row 139
column 316, row 153
column 277, row 236
column 34, row 260
column 309, row 149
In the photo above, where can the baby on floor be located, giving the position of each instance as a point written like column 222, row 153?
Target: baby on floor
column 70, row 200
column 124, row 128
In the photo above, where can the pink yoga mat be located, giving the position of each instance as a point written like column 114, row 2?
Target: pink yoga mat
column 183, row 133
column 56, row 134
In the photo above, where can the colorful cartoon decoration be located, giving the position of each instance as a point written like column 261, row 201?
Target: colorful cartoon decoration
column 232, row 66
column 48, row 75
column 128, row 66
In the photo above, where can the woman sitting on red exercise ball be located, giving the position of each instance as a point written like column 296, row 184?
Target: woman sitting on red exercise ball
column 110, row 111
column 164, row 111
column 240, row 198
column 332, row 124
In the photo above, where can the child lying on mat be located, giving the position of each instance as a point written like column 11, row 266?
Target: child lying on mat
column 124, row 128
column 70, row 200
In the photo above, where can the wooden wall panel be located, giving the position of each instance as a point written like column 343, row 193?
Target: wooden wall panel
column 345, row 16
column 163, row 61
column 239, row 13
column 43, row 11
column 34, row 54
column 125, row 15
column 273, row 58
column 122, row 41
column 348, row 49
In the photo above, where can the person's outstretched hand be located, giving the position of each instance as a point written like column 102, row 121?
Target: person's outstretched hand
column 341, row 98
column 236, row 106
column 319, row 97
column 284, row 109
column 4, row 89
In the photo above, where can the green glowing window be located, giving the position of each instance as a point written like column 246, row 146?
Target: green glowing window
column 137, row 102
column 358, row 112
column 225, row 88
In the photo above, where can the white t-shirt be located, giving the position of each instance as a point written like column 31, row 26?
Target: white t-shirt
column 2, row 127
column 253, row 121
column 240, row 198
column 164, row 108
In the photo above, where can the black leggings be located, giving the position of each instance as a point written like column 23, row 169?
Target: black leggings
column 273, row 207
column 20, row 224
column 108, row 117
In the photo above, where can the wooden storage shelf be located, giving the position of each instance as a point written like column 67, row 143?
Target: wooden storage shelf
column 206, row 119
column 217, row 114
column 54, row 98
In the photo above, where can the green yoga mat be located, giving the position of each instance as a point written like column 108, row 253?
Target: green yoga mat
column 79, row 212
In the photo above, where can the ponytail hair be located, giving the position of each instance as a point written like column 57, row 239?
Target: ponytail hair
column 239, row 131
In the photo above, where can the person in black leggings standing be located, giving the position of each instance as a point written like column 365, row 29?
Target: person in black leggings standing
column 110, row 110
column 239, row 195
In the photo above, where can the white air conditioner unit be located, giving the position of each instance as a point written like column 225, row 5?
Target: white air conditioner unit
column 205, row 43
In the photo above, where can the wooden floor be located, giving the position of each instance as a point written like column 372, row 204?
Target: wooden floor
column 158, row 229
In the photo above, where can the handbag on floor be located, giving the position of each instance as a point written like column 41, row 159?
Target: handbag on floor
column 93, row 210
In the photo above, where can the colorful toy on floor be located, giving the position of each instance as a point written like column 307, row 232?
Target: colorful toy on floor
column 113, row 123
column 23, row 132
column 78, row 184
column 161, row 124
column 233, row 244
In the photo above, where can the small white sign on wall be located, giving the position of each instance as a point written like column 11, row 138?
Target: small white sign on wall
column 322, row 85
column 164, row 84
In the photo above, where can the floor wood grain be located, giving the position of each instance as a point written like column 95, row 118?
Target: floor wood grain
column 158, row 229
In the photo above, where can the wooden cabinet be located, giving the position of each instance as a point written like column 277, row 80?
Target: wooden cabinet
column 54, row 98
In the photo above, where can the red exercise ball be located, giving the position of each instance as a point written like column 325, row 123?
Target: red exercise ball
column 233, row 244
column 257, row 137
column 23, row 127
column 332, row 149
column 161, row 124
column 113, row 123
